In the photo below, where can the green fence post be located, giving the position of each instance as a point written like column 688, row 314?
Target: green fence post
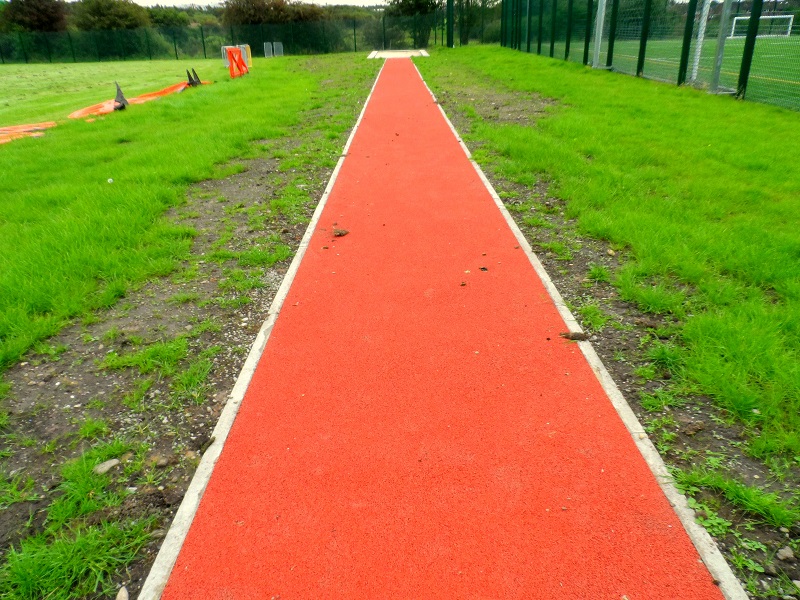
column 749, row 47
column 175, row 44
column 119, row 44
column 523, row 12
column 483, row 15
column 510, row 26
column 461, row 21
column 588, row 35
column 512, row 23
column 147, row 43
column 355, row 46
column 541, row 24
column 503, row 23
column 612, row 32
column 553, row 29
column 202, row 38
column 71, row 47
column 528, row 29
column 22, row 45
column 96, row 45
column 383, row 24
column 450, row 15
column 687, row 41
column 569, row 29
column 233, row 38
column 47, row 47
column 648, row 5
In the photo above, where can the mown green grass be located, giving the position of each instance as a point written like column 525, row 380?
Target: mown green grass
column 70, row 241
column 44, row 92
column 692, row 185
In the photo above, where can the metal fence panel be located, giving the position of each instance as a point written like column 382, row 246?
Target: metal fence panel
column 651, row 38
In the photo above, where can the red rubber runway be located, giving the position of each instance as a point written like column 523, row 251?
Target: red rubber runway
column 409, row 436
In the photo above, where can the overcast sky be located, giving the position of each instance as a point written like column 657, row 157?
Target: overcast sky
column 216, row 2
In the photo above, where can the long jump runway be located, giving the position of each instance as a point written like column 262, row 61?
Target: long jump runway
column 416, row 428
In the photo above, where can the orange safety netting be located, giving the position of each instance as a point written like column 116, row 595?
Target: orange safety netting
column 103, row 108
column 14, row 132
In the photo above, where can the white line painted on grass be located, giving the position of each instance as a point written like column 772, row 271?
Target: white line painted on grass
column 168, row 554
column 703, row 542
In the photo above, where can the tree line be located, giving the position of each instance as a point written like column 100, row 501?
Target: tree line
column 382, row 26
column 87, row 15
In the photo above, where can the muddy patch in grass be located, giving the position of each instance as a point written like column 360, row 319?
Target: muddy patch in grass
column 749, row 507
column 496, row 105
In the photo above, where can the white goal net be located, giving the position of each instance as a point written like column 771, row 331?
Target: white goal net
column 768, row 26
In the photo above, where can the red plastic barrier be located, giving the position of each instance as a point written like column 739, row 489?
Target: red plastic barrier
column 236, row 64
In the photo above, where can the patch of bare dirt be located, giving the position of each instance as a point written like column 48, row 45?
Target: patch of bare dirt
column 497, row 105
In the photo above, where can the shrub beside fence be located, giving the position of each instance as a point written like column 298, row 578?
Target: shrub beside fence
column 308, row 37
column 753, row 54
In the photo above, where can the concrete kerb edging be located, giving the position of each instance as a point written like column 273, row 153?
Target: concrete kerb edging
column 165, row 560
column 706, row 547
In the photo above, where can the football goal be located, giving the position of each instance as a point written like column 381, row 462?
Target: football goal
column 768, row 26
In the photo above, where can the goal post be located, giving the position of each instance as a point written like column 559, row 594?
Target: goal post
column 768, row 26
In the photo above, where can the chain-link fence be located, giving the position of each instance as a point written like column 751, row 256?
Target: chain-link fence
column 474, row 22
column 743, row 48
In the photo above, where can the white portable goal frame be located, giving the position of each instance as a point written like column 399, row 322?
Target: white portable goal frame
column 786, row 33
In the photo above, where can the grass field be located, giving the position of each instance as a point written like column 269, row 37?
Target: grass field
column 39, row 92
column 708, row 213
column 70, row 240
column 689, row 184
column 714, row 208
